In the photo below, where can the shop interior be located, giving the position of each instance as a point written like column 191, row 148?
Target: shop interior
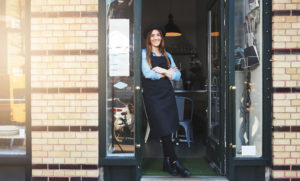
column 198, row 58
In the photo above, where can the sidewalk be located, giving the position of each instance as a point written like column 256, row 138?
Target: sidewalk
column 196, row 178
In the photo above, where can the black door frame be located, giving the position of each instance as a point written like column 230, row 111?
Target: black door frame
column 137, row 96
column 126, row 168
column 221, row 169
column 235, row 163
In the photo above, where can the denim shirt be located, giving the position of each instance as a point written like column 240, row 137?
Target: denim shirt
column 150, row 74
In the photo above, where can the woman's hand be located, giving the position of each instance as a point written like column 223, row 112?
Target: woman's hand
column 174, row 69
column 165, row 72
column 159, row 70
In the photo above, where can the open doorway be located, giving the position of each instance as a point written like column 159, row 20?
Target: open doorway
column 197, row 54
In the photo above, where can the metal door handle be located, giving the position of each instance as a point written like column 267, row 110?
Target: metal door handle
column 232, row 88
column 138, row 145
column 232, row 146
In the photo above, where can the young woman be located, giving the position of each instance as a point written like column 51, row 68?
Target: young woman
column 158, row 69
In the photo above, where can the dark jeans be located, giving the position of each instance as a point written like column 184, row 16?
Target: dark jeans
column 168, row 148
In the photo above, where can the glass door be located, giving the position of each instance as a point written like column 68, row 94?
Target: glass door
column 119, row 38
column 215, row 145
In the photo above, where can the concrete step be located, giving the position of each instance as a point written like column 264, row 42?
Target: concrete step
column 177, row 178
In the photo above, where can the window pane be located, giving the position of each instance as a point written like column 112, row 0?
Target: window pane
column 214, row 72
column 12, row 77
column 120, row 79
column 248, row 77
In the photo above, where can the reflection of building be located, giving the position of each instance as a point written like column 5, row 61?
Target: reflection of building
column 12, row 87
column 121, row 9
column 12, row 78
column 12, row 62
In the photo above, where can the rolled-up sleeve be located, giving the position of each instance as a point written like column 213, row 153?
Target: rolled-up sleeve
column 175, row 75
column 146, row 70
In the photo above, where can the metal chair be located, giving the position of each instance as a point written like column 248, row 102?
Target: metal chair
column 186, row 123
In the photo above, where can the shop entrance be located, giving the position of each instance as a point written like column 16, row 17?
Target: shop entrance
column 198, row 55
column 213, row 56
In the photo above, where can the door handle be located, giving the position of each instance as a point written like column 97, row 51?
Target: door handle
column 138, row 146
column 137, row 88
column 232, row 146
column 232, row 88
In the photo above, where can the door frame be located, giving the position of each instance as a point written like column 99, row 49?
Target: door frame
column 266, row 159
column 123, row 166
column 138, row 96
column 221, row 169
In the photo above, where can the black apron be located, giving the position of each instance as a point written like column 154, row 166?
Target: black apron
column 160, row 102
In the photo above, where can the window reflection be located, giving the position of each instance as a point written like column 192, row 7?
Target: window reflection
column 248, row 77
column 120, row 9
column 120, row 79
column 12, row 78
column 215, row 70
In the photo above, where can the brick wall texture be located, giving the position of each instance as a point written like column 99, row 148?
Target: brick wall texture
column 64, row 76
column 286, row 78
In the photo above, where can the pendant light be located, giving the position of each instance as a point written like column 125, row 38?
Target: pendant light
column 171, row 28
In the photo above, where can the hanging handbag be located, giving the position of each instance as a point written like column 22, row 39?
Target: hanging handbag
column 251, row 58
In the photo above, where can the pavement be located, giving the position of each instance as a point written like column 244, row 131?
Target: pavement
column 195, row 178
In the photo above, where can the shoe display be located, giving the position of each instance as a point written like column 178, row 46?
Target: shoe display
column 181, row 170
column 169, row 167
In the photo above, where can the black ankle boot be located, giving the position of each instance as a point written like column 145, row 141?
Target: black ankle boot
column 181, row 170
column 168, row 167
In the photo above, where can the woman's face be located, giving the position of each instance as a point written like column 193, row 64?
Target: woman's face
column 155, row 38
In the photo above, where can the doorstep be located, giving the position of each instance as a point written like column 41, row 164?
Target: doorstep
column 192, row 178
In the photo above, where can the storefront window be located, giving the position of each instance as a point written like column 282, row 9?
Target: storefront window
column 12, row 78
column 120, row 79
column 248, row 77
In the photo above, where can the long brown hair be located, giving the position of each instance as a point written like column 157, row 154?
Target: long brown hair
column 161, row 48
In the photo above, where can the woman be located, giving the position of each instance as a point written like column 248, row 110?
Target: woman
column 158, row 69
